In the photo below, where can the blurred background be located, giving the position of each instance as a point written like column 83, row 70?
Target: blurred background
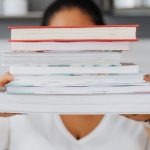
column 29, row 12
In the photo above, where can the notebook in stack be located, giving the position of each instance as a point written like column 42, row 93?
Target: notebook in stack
column 72, row 60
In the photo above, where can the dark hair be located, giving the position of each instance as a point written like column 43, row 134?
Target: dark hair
column 87, row 6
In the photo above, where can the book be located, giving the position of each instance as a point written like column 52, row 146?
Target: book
column 58, row 58
column 76, row 104
column 79, row 90
column 68, row 46
column 125, row 68
column 80, row 80
column 75, row 72
column 72, row 60
column 74, row 33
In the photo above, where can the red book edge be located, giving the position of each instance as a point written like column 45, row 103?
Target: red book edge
column 90, row 26
column 76, row 40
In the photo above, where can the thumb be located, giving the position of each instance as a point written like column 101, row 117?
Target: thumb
column 5, row 79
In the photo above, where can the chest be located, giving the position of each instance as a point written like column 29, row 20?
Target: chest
column 80, row 126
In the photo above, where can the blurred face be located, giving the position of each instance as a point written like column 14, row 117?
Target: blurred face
column 71, row 17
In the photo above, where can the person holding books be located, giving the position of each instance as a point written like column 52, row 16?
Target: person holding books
column 71, row 132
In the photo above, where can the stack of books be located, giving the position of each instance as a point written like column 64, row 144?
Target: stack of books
column 72, row 60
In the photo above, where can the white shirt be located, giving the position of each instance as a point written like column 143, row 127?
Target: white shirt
column 47, row 132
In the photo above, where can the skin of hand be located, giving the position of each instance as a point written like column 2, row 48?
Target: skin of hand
column 147, row 77
column 138, row 117
column 5, row 79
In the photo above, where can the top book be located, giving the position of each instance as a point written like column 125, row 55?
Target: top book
column 74, row 33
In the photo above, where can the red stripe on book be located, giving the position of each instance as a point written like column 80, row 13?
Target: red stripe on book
column 93, row 26
column 75, row 40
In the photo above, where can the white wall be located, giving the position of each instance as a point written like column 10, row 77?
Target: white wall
column 139, row 53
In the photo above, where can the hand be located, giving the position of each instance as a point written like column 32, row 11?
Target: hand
column 147, row 78
column 7, row 114
column 3, row 81
column 138, row 117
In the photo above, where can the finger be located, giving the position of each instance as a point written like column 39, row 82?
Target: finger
column 147, row 77
column 6, row 79
column 138, row 117
column 8, row 114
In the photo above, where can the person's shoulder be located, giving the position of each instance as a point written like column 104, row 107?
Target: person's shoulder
column 124, row 121
column 130, row 126
column 36, row 119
